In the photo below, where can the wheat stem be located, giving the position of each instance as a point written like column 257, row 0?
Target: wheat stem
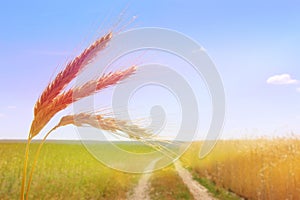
column 35, row 161
column 25, row 168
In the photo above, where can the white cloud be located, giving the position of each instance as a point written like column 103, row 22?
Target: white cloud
column 298, row 89
column 282, row 79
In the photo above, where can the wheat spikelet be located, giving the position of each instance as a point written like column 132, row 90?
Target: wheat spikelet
column 72, row 69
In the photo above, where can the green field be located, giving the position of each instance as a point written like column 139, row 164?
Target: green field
column 63, row 170
column 68, row 170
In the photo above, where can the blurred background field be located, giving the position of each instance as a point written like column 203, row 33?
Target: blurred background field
column 253, row 169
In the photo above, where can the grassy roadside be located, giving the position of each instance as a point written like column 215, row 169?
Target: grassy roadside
column 216, row 191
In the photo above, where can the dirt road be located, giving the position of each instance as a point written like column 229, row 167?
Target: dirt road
column 198, row 191
column 141, row 191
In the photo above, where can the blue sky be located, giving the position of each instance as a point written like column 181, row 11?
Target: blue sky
column 249, row 41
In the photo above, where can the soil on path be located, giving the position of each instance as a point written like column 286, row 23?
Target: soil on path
column 198, row 191
column 141, row 191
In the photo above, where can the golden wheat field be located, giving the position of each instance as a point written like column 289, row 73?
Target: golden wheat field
column 253, row 169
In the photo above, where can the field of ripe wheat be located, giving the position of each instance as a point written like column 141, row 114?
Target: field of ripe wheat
column 253, row 169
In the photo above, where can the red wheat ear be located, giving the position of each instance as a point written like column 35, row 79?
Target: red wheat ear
column 72, row 69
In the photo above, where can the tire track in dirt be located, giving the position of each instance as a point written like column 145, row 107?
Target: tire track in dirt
column 141, row 191
column 198, row 191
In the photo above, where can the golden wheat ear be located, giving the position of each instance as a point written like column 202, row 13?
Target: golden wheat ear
column 118, row 127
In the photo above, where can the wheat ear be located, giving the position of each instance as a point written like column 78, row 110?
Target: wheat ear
column 72, row 69
column 116, row 126
column 65, row 99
